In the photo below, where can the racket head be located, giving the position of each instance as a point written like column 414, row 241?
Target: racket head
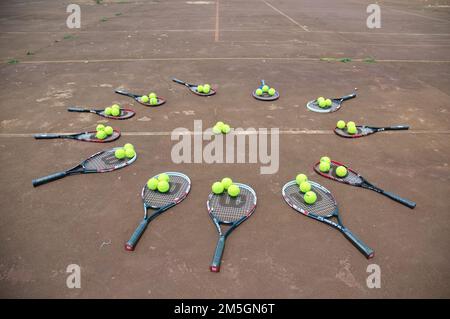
column 193, row 89
column 325, row 205
column 105, row 161
column 90, row 137
column 266, row 96
column 160, row 99
column 228, row 210
column 180, row 185
column 314, row 106
column 124, row 114
column 352, row 178
column 360, row 131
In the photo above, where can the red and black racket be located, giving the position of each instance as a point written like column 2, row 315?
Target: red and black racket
column 230, row 211
column 363, row 130
column 124, row 113
column 85, row 136
column 193, row 88
column 265, row 95
column 336, row 104
column 180, row 186
column 101, row 162
column 324, row 209
column 354, row 179
column 138, row 97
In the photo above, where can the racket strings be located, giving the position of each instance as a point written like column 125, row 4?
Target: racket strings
column 324, row 206
column 351, row 177
column 315, row 106
column 361, row 130
column 179, row 187
column 104, row 161
column 228, row 209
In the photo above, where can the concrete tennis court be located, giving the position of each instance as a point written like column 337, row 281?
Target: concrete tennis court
column 402, row 72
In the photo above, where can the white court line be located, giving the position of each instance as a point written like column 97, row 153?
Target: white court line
column 305, row 28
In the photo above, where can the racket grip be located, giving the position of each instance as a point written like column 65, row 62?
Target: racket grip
column 49, row 178
column 363, row 248
column 77, row 109
column 131, row 244
column 215, row 265
column 398, row 127
column 177, row 81
column 404, row 201
column 46, row 136
column 348, row 97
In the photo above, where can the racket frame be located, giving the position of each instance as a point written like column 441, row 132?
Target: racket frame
column 193, row 88
column 265, row 96
column 130, row 113
column 116, row 134
column 137, row 98
column 373, row 129
column 331, row 109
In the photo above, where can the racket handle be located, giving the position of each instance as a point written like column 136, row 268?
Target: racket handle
column 398, row 127
column 124, row 92
column 49, row 178
column 363, row 248
column 46, row 136
column 131, row 244
column 215, row 265
column 178, row 81
column 77, row 109
column 404, row 201
column 348, row 97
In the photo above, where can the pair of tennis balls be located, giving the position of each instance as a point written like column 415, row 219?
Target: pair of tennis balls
column 205, row 88
column 126, row 151
column 160, row 183
column 113, row 110
column 265, row 89
column 351, row 126
column 151, row 98
column 103, row 131
column 325, row 166
column 221, row 127
column 226, row 184
column 324, row 103
column 309, row 196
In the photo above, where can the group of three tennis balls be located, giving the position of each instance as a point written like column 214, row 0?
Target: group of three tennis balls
column 265, row 89
column 151, row 98
column 226, row 184
column 126, row 151
column 221, row 127
column 325, row 166
column 103, row 132
column 159, row 183
column 323, row 102
column 304, row 186
column 205, row 88
column 113, row 110
column 351, row 126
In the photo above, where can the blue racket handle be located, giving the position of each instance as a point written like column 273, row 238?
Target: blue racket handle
column 363, row 248
column 131, row 244
column 404, row 201
column 215, row 265
column 125, row 92
column 348, row 97
column 49, row 178
column 46, row 136
column 178, row 81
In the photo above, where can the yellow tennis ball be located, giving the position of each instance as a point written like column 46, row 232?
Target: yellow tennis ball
column 352, row 130
column 220, row 124
column 265, row 88
column 144, row 99
column 101, row 135
column 130, row 153
column 115, row 106
column 206, row 88
column 324, row 167
column 153, row 101
column 320, row 99
column 305, row 187
column 328, row 103
column 310, row 197
column 128, row 145
column 259, row 92
column 325, row 159
column 322, row 103
column 217, row 188
column 100, row 127
column 226, row 182
column 115, row 112
column 233, row 190
column 341, row 171
column 340, row 124
column 108, row 110
column 271, row 91
column 119, row 153
column 200, row 89
column 300, row 178
column 217, row 129
column 152, row 95
column 108, row 130
column 351, row 123
column 163, row 177
column 226, row 129
column 152, row 184
column 163, row 186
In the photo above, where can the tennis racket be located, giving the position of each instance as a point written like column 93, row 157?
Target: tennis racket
column 193, row 88
column 265, row 96
column 336, row 104
column 354, row 179
column 180, row 186
column 85, row 136
column 101, row 162
column 324, row 209
column 231, row 211
column 124, row 113
column 137, row 98
column 367, row 130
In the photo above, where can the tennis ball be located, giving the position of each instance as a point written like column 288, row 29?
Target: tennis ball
column 217, row 188
column 163, row 186
column 324, row 167
column 328, row 103
column 352, row 130
column 320, row 99
column 259, row 92
column 152, row 184
column 310, row 197
column 325, row 159
column 265, row 88
column 226, row 182
column 305, row 187
column 130, row 153
column 100, row 127
column 271, row 91
column 108, row 110
column 340, row 124
column 226, row 129
column 144, row 99
column 151, row 95
column 115, row 112
column 101, row 135
column 108, row 130
column 153, row 101
column 128, row 145
column 115, row 106
column 351, row 123
column 322, row 103
column 163, row 177
column 233, row 190
column 119, row 153
column 217, row 129
column 341, row 171
column 220, row 124
column 200, row 88
column 300, row 178
column 206, row 88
